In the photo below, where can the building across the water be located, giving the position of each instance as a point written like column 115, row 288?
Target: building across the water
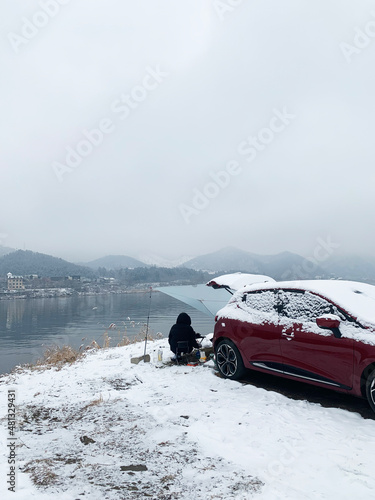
column 15, row 282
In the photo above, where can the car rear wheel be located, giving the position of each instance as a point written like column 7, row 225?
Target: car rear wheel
column 370, row 390
column 229, row 360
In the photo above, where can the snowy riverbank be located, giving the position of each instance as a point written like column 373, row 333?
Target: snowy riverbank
column 105, row 428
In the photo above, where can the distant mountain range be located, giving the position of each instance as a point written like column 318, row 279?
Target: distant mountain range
column 350, row 267
column 282, row 266
column 286, row 265
column 115, row 262
column 157, row 260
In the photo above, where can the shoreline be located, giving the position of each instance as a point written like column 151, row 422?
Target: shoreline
column 51, row 293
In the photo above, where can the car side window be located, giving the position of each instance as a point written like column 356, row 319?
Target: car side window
column 306, row 306
column 261, row 306
column 260, row 301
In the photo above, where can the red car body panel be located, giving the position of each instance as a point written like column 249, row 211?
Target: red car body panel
column 326, row 356
column 258, row 342
column 292, row 352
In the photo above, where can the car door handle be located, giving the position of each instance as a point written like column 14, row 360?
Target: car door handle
column 288, row 336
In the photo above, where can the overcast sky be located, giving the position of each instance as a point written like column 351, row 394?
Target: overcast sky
column 172, row 128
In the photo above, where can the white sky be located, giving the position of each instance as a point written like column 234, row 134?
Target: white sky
column 227, row 70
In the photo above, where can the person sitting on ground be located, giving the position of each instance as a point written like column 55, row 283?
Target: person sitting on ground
column 182, row 331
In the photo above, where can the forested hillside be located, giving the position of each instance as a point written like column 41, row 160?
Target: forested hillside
column 154, row 274
column 23, row 262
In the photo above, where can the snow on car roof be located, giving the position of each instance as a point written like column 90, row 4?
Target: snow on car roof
column 235, row 281
column 356, row 298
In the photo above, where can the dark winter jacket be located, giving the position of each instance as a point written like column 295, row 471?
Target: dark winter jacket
column 182, row 330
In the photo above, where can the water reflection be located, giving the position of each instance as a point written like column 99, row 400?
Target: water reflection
column 27, row 326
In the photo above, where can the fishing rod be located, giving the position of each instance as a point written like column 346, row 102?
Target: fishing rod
column 148, row 320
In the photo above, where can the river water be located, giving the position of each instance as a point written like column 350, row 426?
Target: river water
column 28, row 327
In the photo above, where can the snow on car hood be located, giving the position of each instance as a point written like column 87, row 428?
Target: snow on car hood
column 235, row 281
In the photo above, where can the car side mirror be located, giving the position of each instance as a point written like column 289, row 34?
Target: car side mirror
column 329, row 322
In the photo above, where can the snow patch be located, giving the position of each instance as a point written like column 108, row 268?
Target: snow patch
column 104, row 428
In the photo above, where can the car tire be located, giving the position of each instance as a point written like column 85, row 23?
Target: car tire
column 229, row 360
column 370, row 390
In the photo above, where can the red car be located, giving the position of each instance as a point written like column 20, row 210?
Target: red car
column 320, row 332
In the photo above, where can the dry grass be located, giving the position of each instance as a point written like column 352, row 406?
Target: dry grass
column 168, row 479
column 41, row 472
column 95, row 402
column 58, row 356
column 107, row 340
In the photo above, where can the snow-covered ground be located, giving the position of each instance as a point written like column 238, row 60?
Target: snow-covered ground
column 104, row 428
